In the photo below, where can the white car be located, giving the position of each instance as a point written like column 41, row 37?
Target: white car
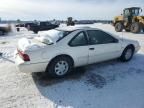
column 59, row 50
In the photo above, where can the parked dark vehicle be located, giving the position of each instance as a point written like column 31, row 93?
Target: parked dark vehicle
column 35, row 27
column 84, row 22
column 20, row 25
column 29, row 24
column 4, row 30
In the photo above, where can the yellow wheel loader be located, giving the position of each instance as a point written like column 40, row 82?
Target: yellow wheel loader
column 130, row 20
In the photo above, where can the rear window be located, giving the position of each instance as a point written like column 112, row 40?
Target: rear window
column 57, row 35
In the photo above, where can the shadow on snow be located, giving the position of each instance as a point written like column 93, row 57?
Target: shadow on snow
column 66, row 91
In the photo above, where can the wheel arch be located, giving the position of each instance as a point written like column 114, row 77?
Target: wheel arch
column 132, row 46
column 122, row 58
column 61, row 55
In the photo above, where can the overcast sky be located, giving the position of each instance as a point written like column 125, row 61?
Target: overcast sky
column 61, row 9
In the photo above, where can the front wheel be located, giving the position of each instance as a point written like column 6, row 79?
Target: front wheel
column 60, row 66
column 118, row 27
column 127, row 54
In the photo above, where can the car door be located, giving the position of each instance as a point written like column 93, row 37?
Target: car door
column 102, row 46
column 44, row 26
column 78, row 48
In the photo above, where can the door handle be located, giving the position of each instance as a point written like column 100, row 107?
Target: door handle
column 91, row 48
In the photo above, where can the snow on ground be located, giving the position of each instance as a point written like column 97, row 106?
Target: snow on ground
column 110, row 84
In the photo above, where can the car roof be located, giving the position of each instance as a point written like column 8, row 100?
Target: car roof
column 133, row 8
column 73, row 28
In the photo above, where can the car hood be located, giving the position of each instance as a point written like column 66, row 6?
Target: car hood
column 130, row 41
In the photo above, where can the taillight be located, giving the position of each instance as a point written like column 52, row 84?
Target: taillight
column 25, row 57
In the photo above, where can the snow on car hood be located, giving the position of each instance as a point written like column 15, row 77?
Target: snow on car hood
column 26, row 44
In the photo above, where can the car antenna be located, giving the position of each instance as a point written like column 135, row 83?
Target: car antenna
column 122, row 35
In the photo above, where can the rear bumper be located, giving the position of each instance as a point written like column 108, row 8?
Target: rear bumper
column 28, row 67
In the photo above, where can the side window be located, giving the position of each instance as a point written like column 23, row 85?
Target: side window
column 47, row 23
column 126, row 13
column 79, row 40
column 100, row 37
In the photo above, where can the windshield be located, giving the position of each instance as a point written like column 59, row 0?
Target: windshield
column 126, row 12
column 52, row 36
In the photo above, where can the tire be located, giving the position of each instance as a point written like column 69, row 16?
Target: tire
column 135, row 27
column 127, row 54
column 35, row 31
column 60, row 66
column 118, row 27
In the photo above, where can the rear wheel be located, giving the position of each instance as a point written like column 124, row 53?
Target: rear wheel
column 60, row 66
column 119, row 27
column 127, row 54
column 135, row 27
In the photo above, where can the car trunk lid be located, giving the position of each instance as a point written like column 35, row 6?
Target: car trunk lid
column 26, row 44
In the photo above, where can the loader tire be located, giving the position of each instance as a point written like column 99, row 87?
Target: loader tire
column 135, row 27
column 118, row 27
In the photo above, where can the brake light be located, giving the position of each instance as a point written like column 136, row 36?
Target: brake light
column 25, row 57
